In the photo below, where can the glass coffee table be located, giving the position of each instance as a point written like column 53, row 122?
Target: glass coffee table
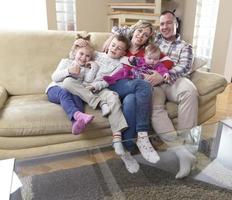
column 98, row 173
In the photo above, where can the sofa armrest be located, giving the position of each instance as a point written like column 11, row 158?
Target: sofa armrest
column 207, row 82
column 3, row 96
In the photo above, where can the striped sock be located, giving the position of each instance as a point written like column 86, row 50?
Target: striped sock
column 117, row 143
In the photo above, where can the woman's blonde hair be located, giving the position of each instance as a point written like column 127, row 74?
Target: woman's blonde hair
column 142, row 24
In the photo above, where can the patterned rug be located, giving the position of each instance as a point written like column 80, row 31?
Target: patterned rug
column 110, row 181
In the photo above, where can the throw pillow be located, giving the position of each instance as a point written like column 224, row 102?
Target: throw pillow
column 197, row 63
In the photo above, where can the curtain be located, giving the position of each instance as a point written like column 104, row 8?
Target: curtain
column 66, row 15
column 204, row 31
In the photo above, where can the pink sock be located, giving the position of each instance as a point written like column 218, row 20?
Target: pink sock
column 83, row 116
column 78, row 126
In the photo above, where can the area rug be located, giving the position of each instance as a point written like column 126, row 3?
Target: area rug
column 110, row 181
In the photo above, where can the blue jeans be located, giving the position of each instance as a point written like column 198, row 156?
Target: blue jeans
column 128, row 109
column 69, row 102
column 136, row 96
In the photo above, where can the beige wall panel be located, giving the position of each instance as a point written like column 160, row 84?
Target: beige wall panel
column 188, row 20
column 92, row 15
column 51, row 14
column 185, row 10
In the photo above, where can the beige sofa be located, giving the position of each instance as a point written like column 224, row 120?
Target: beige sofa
column 32, row 126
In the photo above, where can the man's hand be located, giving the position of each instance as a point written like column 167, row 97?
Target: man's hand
column 75, row 70
column 154, row 79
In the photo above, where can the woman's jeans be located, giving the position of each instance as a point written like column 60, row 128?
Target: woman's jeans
column 136, row 96
column 69, row 102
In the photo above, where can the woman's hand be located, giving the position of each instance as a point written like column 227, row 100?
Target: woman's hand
column 154, row 79
column 81, row 42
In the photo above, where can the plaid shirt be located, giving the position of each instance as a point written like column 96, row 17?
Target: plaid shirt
column 180, row 53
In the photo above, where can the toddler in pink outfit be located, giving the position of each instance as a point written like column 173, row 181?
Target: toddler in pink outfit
column 138, row 66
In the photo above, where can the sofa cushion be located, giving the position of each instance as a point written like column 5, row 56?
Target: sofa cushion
column 34, row 115
column 3, row 96
column 207, row 82
column 98, row 39
column 198, row 62
column 31, row 58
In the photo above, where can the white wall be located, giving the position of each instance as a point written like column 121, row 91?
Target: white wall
column 221, row 58
column 228, row 66
column 23, row 15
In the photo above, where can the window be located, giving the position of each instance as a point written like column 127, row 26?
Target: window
column 23, row 15
column 66, row 15
column 204, row 31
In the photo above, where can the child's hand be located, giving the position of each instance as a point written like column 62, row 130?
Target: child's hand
column 154, row 79
column 81, row 42
column 91, row 88
column 90, row 64
column 166, row 77
column 75, row 70
column 125, row 60
column 131, row 59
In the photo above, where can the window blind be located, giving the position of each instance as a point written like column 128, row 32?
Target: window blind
column 66, row 15
column 204, row 30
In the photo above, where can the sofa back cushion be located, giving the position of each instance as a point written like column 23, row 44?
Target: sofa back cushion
column 28, row 58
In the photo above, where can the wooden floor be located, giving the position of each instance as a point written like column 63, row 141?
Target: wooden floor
column 224, row 105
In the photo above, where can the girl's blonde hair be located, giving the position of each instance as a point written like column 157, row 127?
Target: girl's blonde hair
column 142, row 24
column 76, row 45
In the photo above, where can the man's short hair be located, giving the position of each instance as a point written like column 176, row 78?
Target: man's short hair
column 175, row 17
column 170, row 12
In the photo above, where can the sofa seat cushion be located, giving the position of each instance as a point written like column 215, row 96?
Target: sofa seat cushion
column 44, row 140
column 29, row 115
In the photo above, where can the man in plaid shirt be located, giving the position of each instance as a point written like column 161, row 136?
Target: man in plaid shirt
column 181, row 90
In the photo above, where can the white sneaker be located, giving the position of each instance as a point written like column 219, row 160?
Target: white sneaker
column 105, row 110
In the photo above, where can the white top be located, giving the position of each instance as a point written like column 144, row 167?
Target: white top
column 107, row 66
column 86, row 75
